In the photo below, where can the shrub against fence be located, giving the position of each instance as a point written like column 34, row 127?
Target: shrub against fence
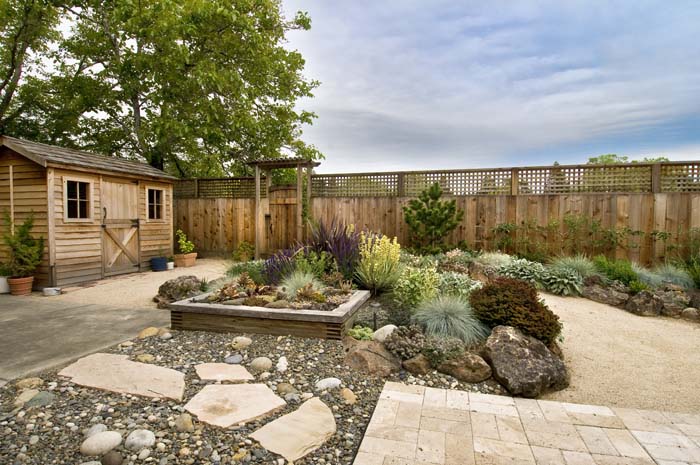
column 642, row 211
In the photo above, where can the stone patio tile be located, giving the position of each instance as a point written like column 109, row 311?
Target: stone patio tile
column 408, row 414
column 385, row 412
column 570, row 442
column 645, row 420
column 502, row 448
column 223, row 372
column 577, row 458
column 490, row 399
column 682, row 454
column 434, row 397
column 554, row 411
column 663, row 439
column 528, row 409
column 625, row 443
column 547, row 456
column 617, row 460
column 603, row 421
column 683, row 418
column 457, row 400
column 458, row 428
column 544, row 426
column 431, row 447
column 225, row 405
column 484, row 425
column 510, row 429
column 365, row 458
column 689, row 430
column 446, row 414
column 496, row 409
column 387, row 447
column 398, row 461
column 458, row 451
column 588, row 409
column 596, row 440
column 393, row 432
column 491, row 459
column 411, row 397
column 405, row 388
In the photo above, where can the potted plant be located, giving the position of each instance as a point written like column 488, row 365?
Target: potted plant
column 25, row 255
column 171, row 262
column 187, row 255
column 160, row 262
column 4, row 273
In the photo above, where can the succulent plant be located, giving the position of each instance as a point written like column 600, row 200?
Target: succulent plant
column 405, row 342
column 440, row 349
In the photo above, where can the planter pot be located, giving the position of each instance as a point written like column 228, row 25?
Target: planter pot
column 171, row 265
column 4, row 286
column 21, row 286
column 159, row 263
column 184, row 260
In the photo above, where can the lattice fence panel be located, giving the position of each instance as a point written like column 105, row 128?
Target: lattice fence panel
column 355, row 185
column 219, row 188
column 467, row 182
column 577, row 179
column 680, row 178
column 185, row 189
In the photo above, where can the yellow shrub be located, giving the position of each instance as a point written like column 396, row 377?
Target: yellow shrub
column 379, row 266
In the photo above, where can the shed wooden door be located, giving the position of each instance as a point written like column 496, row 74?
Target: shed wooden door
column 283, row 217
column 120, row 227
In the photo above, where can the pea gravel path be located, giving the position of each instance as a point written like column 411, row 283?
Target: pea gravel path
column 623, row 360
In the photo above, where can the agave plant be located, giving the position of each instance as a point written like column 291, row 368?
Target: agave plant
column 450, row 316
column 299, row 282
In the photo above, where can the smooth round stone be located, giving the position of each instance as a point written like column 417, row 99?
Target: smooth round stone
column 140, row 439
column 183, row 423
column 144, row 454
column 261, row 364
column 241, row 342
column 328, row 383
column 285, row 388
column 234, row 359
column 94, row 429
column 100, row 443
column 112, row 458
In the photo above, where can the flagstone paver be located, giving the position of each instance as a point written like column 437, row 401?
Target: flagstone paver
column 223, row 372
column 225, row 405
column 415, row 425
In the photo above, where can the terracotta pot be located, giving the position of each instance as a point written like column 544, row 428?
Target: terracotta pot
column 20, row 286
column 184, row 260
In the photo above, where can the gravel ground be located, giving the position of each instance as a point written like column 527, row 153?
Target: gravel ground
column 620, row 359
column 53, row 434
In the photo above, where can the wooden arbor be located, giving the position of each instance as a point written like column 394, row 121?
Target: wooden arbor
column 267, row 166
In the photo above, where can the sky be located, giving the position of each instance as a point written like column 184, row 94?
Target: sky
column 414, row 85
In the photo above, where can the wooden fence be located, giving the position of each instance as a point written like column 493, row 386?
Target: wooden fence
column 641, row 211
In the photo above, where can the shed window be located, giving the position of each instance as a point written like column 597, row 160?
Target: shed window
column 155, row 204
column 77, row 199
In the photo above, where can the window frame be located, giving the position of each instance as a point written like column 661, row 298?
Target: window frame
column 162, row 218
column 90, row 199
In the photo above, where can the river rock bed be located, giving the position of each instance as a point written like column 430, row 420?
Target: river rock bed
column 53, row 430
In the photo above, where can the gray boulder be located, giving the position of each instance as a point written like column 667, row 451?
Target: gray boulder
column 176, row 289
column 616, row 294
column 523, row 364
column 645, row 303
column 418, row 365
column 467, row 367
column 690, row 313
column 674, row 299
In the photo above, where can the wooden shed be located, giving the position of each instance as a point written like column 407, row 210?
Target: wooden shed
column 100, row 216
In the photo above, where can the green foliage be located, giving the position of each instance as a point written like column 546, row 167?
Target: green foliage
column 608, row 159
column 450, row 316
column 511, row 302
column 244, row 252
column 414, row 286
column 647, row 276
column 4, row 270
column 562, row 281
column 637, row 286
column 183, row 245
column 204, row 285
column 254, row 269
column 456, row 260
column 441, row 349
column 361, row 333
column 494, row 259
column 617, row 270
column 297, row 281
column 692, row 266
column 25, row 251
column 379, row 267
column 669, row 273
column 318, row 264
column 525, row 270
column 430, row 219
column 579, row 264
column 419, row 261
column 405, row 342
column 197, row 87
column 457, row 284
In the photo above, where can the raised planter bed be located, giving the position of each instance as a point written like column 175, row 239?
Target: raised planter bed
column 190, row 314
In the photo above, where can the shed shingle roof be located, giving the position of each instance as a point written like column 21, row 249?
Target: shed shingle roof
column 51, row 155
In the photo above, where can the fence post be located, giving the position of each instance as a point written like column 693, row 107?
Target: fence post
column 196, row 188
column 514, row 188
column 656, row 178
column 401, row 186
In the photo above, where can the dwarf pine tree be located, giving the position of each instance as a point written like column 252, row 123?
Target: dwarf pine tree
column 430, row 219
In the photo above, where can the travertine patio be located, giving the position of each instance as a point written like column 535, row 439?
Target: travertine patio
column 415, row 425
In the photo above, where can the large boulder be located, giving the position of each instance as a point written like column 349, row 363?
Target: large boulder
column 418, row 365
column 690, row 313
column 645, row 303
column 615, row 294
column 674, row 299
column 523, row 364
column 371, row 357
column 467, row 367
column 176, row 289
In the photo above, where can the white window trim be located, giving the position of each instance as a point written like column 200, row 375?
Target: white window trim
column 91, row 199
column 163, row 211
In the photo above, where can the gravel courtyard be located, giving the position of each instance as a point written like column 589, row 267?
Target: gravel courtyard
column 623, row 360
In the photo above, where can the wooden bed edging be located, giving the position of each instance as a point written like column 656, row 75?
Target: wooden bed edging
column 194, row 316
